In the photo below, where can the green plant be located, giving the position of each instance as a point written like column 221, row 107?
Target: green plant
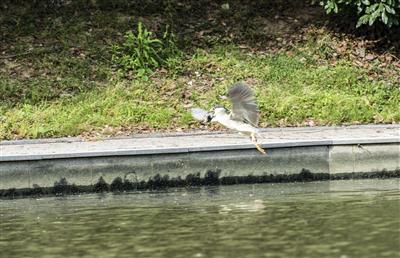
column 368, row 11
column 143, row 53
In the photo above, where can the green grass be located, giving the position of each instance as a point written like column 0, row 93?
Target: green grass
column 60, row 80
column 292, row 91
column 289, row 91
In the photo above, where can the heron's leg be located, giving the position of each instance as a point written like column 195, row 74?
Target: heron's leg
column 254, row 141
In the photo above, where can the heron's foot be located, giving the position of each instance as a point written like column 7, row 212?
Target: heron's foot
column 258, row 146
column 260, row 149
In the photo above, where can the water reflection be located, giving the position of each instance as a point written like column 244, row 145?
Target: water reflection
column 250, row 206
column 318, row 219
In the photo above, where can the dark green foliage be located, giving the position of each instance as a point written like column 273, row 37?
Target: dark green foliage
column 368, row 11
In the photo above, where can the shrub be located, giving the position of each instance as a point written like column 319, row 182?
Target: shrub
column 368, row 11
column 143, row 53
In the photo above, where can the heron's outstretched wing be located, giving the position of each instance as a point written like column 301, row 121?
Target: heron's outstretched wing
column 199, row 114
column 244, row 107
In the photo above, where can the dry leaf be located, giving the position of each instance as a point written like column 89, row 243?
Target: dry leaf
column 369, row 57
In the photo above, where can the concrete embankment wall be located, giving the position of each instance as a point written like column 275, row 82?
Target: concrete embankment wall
column 223, row 166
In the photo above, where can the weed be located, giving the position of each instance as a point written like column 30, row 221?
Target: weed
column 143, row 53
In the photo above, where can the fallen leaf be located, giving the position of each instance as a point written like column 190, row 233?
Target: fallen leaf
column 369, row 57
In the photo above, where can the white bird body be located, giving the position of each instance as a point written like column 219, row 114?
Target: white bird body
column 226, row 120
column 243, row 116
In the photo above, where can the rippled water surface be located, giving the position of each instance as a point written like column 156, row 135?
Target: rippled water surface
column 341, row 219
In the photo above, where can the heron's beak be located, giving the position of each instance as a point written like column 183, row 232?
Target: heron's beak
column 209, row 117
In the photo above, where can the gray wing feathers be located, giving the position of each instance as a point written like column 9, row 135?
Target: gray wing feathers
column 244, row 107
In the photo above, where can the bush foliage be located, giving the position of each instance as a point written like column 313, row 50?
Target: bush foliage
column 368, row 11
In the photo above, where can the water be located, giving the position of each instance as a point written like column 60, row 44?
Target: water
column 320, row 219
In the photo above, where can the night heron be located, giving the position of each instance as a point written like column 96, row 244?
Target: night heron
column 243, row 117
